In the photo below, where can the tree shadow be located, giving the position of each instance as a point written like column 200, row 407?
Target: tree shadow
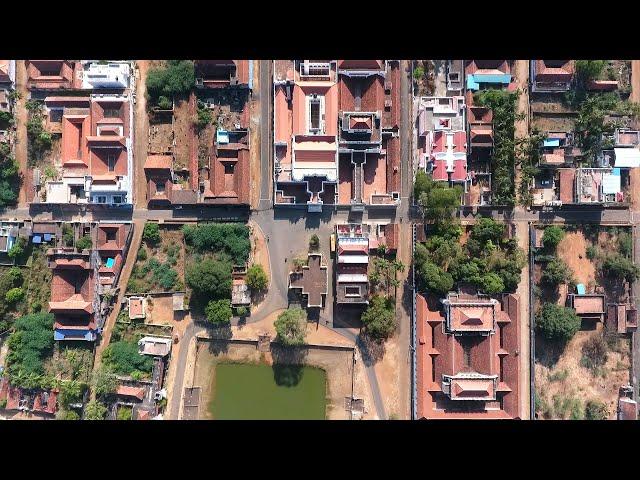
column 288, row 364
column 372, row 350
column 548, row 353
column 219, row 341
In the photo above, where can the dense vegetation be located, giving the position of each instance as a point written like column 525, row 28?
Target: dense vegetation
column 557, row 323
column 488, row 261
column 30, row 345
column 39, row 140
column 9, row 176
column 503, row 160
column 291, row 327
column 256, row 278
column 379, row 319
column 175, row 78
column 123, row 358
column 231, row 239
column 219, row 312
column 209, row 278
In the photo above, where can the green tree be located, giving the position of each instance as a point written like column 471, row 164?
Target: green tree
column 151, row 233
column 492, row 284
column 618, row 266
column 95, row 411
column 123, row 358
column 589, row 69
column 84, row 243
column 142, row 254
column 440, row 203
column 434, row 278
column 556, row 273
column 291, row 327
column 69, row 415
column 552, row 237
column 104, row 382
column 18, row 248
column 423, row 184
column 71, row 391
column 256, row 278
column 418, row 73
column 210, row 278
column 204, row 116
column 177, row 77
column 124, row 413
column 557, row 323
column 379, row 319
column 596, row 410
column 29, row 344
column 219, row 312
column 67, row 235
column 230, row 238
column 14, row 295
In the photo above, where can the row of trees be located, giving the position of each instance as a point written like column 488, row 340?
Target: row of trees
column 9, row 176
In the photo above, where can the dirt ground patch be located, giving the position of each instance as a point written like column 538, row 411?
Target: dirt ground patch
column 573, row 251
column 183, row 133
column 159, row 309
column 566, row 380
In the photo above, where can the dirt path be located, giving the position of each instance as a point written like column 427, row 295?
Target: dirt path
column 122, row 284
column 21, row 132
column 573, row 250
column 141, row 122
column 522, row 231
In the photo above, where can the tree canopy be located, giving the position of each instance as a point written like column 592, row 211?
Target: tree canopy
column 151, row 233
column 557, row 323
column 30, row 344
column 210, row 278
column 95, row 411
column 379, row 318
column 256, row 278
column 556, row 272
column 123, row 358
column 552, row 236
column 229, row 238
column 291, row 326
column 177, row 77
column 219, row 312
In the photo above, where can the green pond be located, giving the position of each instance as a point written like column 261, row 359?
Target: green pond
column 263, row 392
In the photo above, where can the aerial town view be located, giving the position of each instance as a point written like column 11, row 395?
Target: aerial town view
column 319, row 239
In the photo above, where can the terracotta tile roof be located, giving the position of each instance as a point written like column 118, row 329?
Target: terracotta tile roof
column 127, row 391
column 158, row 162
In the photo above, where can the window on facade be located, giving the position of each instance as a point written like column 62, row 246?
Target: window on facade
column 101, row 199
column 111, row 113
column 352, row 291
column 111, row 162
column 314, row 114
column 117, row 199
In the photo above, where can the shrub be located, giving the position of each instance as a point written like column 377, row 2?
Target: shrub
column 557, row 272
column 219, row 312
column 596, row 410
column 552, row 237
column 67, row 235
column 84, row 243
column 204, row 116
column 592, row 252
column 314, row 243
column 14, row 295
column 589, row 69
column 418, row 73
column 177, row 77
column 104, row 382
column 625, row 244
column 618, row 266
column 69, row 415
column 142, row 254
column 210, row 278
column 164, row 103
column 123, row 358
column 291, row 327
column 30, row 343
column 557, row 323
column 379, row 318
column 230, row 238
column 124, row 413
column 151, row 233
column 256, row 278
column 18, row 248
column 95, row 411
column 242, row 311
column 594, row 353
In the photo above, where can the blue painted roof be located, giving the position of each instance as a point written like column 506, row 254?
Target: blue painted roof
column 36, row 239
column 471, row 83
column 552, row 142
column 110, row 262
column 491, row 78
column 616, row 172
column 62, row 334
column 581, row 289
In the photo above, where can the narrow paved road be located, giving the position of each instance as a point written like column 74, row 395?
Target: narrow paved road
column 141, row 139
column 266, row 182
column 21, row 149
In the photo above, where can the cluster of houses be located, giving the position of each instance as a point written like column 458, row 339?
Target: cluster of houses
column 336, row 133
column 87, row 107
column 220, row 174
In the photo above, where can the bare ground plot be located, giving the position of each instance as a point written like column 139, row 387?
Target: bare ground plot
column 336, row 363
column 564, row 382
column 183, row 134
column 159, row 310
column 563, row 385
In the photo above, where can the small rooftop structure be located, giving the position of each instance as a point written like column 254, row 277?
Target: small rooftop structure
column 589, row 306
column 627, row 157
column 551, row 75
column 131, row 392
column 627, row 407
column 136, row 307
column 623, row 317
column 312, row 280
column 626, row 138
column 155, row 346
column 178, row 301
column 240, row 295
column 8, row 236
